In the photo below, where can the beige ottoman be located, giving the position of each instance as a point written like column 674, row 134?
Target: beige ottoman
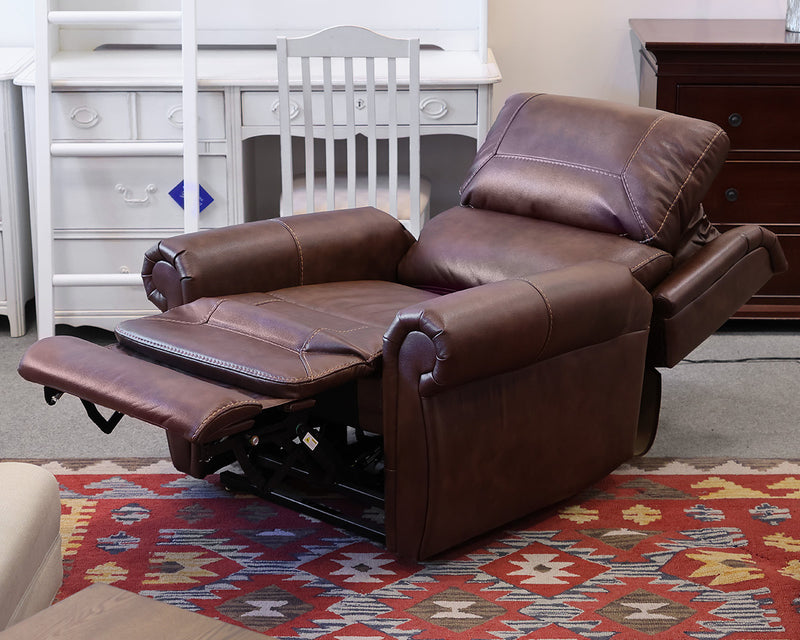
column 30, row 543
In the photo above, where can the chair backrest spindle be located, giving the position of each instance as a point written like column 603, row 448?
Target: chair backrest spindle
column 356, row 97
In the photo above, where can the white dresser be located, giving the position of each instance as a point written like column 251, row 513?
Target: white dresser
column 108, row 210
column 16, row 271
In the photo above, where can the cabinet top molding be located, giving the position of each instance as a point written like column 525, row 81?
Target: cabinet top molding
column 719, row 35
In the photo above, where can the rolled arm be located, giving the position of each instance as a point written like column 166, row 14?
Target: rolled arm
column 351, row 244
column 503, row 326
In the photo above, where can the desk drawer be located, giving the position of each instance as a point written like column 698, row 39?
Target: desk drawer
column 161, row 115
column 132, row 193
column 106, row 255
column 755, row 193
column 99, row 115
column 121, row 115
column 260, row 108
column 754, row 117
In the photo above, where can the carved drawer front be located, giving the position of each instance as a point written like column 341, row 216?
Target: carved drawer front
column 744, row 190
column 101, row 255
column 260, row 108
column 161, row 115
column 754, row 117
column 97, row 115
column 132, row 193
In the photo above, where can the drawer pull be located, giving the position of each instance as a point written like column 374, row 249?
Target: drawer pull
column 294, row 109
column 731, row 195
column 175, row 116
column 127, row 199
column 434, row 108
column 735, row 119
column 124, row 269
column 84, row 117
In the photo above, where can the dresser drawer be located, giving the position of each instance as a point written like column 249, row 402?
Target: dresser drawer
column 132, row 193
column 754, row 117
column 161, row 115
column 755, row 193
column 101, row 255
column 260, row 108
column 83, row 115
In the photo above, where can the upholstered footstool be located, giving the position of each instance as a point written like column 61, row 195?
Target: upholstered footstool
column 30, row 543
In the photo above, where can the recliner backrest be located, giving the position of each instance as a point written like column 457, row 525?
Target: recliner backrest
column 625, row 170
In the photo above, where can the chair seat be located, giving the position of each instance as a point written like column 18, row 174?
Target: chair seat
column 289, row 343
column 383, row 202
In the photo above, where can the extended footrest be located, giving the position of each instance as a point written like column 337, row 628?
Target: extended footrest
column 193, row 409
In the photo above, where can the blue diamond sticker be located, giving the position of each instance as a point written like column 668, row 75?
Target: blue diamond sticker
column 177, row 195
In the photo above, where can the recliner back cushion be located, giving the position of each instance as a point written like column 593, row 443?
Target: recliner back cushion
column 597, row 165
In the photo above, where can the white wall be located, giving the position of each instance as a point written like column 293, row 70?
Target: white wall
column 574, row 47
column 583, row 47
column 16, row 23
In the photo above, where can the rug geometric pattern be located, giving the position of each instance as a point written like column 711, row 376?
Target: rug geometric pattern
column 708, row 550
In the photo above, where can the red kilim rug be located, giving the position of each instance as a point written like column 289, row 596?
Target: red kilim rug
column 660, row 549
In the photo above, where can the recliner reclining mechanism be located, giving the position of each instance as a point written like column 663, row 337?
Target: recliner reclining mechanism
column 499, row 364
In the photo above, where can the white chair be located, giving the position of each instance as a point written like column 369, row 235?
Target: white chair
column 349, row 86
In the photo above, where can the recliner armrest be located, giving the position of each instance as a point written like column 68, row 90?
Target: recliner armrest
column 703, row 292
column 351, row 244
column 695, row 276
column 502, row 326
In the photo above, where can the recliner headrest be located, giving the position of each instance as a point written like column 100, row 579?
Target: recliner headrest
column 598, row 165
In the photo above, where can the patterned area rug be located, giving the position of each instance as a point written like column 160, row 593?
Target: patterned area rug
column 703, row 549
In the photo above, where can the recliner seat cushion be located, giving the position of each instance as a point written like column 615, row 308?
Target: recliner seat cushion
column 289, row 343
column 463, row 248
column 597, row 165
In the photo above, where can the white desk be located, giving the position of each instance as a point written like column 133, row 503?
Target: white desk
column 108, row 211
column 16, row 275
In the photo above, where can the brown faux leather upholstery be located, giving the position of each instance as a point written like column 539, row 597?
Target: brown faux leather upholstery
column 505, row 359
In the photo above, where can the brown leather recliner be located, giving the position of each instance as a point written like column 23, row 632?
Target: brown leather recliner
column 499, row 364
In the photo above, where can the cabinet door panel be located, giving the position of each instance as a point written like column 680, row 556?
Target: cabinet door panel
column 132, row 193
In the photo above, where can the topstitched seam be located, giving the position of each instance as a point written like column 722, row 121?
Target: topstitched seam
column 255, row 373
column 328, row 311
column 549, row 316
column 500, row 139
column 663, row 254
column 299, row 249
column 642, row 225
column 560, row 163
column 233, row 403
column 688, row 177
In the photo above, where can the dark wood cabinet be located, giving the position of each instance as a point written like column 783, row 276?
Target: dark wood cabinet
column 744, row 75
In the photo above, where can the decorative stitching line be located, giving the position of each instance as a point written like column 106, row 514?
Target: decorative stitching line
column 296, row 244
column 549, row 316
column 663, row 254
column 500, row 139
column 254, row 373
column 233, row 403
column 689, row 175
column 642, row 225
column 561, row 163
